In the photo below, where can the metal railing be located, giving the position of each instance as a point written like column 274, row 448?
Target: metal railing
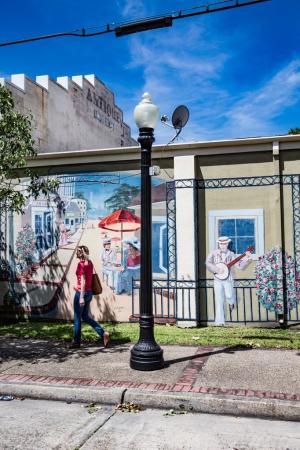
column 247, row 308
column 189, row 300
column 167, row 295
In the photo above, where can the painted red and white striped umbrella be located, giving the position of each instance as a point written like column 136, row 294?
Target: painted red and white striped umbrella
column 121, row 221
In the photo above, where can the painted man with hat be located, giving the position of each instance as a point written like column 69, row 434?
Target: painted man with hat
column 108, row 259
column 224, row 288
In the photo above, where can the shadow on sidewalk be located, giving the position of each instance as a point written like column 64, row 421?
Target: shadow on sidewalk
column 282, row 338
column 232, row 349
column 38, row 351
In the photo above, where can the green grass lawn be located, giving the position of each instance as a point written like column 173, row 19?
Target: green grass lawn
column 124, row 332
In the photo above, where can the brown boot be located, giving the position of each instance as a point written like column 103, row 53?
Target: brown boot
column 106, row 339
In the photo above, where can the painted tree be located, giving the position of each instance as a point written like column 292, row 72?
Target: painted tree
column 121, row 197
column 16, row 146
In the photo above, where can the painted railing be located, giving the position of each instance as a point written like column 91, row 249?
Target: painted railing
column 175, row 300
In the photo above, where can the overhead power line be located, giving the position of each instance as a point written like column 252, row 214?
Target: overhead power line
column 147, row 23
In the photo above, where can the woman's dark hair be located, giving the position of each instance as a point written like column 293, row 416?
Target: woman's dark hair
column 84, row 250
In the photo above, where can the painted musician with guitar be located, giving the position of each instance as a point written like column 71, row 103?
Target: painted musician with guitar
column 220, row 263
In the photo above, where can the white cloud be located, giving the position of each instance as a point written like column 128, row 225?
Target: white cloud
column 189, row 64
column 256, row 111
column 177, row 73
column 217, row 113
column 133, row 8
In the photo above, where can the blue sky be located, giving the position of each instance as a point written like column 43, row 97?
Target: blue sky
column 237, row 71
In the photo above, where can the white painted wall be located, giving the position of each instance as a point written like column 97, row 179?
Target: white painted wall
column 184, row 168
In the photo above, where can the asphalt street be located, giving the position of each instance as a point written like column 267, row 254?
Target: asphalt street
column 40, row 425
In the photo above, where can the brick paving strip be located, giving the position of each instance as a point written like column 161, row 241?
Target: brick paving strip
column 177, row 387
column 189, row 374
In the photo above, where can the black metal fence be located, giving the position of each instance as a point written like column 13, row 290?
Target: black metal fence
column 187, row 300
column 167, row 295
column 247, row 308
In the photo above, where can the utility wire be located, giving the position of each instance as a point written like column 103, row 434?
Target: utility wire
column 146, row 23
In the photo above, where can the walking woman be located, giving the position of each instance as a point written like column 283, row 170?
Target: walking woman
column 83, row 297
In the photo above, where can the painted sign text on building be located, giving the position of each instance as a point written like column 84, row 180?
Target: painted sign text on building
column 102, row 104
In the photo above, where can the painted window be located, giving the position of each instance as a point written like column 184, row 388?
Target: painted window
column 37, row 224
column 38, row 230
column 159, row 247
column 244, row 228
column 48, row 229
column 49, row 223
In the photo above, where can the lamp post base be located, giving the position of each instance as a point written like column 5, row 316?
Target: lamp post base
column 146, row 355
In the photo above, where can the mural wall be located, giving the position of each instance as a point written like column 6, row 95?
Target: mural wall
column 245, row 219
column 101, row 211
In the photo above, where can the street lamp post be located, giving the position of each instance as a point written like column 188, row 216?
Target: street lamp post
column 146, row 354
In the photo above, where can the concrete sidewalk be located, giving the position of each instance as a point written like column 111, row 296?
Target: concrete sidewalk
column 223, row 380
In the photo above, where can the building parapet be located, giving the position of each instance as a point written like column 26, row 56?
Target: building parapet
column 75, row 112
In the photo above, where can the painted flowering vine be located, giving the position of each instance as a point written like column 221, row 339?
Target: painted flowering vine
column 269, row 280
column 25, row 244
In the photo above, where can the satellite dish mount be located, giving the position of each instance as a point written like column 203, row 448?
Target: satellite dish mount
column 180, row 117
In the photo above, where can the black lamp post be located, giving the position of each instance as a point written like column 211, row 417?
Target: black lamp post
column 146, row 354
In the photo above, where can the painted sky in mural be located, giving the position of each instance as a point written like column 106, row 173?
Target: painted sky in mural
column 97, row 188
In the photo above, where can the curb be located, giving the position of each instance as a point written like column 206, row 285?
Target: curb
column 193, row 402
column 217, row 404
column 74, row 393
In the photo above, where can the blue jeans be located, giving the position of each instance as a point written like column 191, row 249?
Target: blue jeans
column 81, row 312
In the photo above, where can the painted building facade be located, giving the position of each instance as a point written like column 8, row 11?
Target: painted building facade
column 246, row 189
column 70, row 113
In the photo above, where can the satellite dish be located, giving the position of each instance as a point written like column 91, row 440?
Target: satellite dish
column 180, row 117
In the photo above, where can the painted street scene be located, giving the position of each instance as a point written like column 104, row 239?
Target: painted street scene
column 96, row 210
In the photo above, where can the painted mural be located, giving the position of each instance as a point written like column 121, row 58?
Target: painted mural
column 101, row 211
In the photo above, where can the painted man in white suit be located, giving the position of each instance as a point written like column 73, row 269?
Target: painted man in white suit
column 224, row 289
column 108, row 259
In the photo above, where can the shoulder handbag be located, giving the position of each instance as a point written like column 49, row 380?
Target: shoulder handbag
column 96, row 283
